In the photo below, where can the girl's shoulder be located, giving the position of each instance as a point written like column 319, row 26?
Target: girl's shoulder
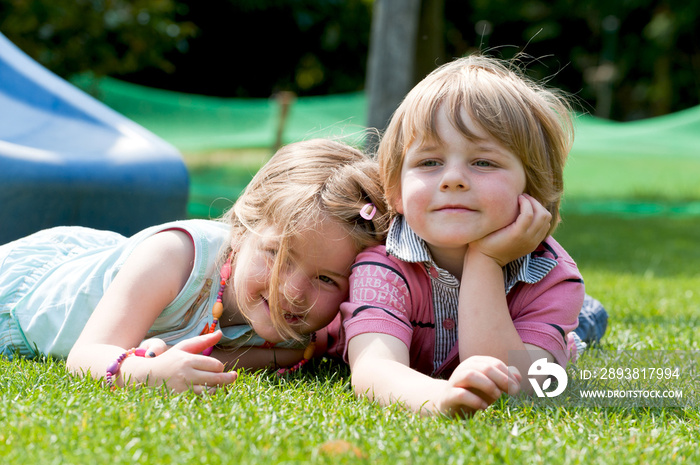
column 207, row 235
column 194, row 227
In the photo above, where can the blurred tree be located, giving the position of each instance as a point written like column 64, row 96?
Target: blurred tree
column 255, row 48
column 392, row 57
column 407, row 43
column 624, row 60
column 100, row 36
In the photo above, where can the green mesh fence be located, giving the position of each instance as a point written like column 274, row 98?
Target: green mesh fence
column 644, row 167
column 647, row 167
column 200, row 123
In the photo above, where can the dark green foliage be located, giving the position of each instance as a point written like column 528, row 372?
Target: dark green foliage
column 625, row 60
column 98, row 36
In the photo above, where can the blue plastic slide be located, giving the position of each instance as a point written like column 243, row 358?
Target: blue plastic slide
column 67, row 159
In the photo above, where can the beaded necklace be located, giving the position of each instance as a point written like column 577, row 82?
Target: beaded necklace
column 218, row 309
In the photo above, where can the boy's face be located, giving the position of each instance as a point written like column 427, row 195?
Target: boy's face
column 458, row 190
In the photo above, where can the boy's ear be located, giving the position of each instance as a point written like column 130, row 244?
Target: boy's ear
column 396, row 203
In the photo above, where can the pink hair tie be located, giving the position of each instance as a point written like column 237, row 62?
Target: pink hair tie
column 367, row 212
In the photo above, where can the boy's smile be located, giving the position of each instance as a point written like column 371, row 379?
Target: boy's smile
column 456, row 190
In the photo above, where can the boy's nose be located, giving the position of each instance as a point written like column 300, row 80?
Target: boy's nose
column 454, row 179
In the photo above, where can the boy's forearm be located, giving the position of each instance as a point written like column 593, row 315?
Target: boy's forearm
column 389, row 382
column 485, row 324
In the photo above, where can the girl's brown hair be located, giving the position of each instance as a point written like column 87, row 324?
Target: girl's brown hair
column 303, row 183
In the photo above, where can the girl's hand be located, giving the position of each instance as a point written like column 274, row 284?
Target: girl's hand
column 183, row 368
column 153, row 347
column 477, row 383
column 519, row 238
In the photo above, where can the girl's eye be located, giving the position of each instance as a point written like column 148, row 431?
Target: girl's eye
column 326, row 280
column 271, row 252
column 483, row 163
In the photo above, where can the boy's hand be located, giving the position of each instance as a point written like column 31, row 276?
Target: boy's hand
column 518, row 238
column 477, row 383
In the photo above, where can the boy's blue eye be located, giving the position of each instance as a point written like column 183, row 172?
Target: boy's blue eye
column 483, row 163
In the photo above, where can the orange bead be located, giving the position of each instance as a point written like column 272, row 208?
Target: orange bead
column 309, row 351
column 217, row 310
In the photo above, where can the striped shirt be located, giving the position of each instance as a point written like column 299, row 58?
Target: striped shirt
column 404, row 244
column 397, row 290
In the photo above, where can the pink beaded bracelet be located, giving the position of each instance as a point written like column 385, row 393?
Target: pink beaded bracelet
column 113, row 368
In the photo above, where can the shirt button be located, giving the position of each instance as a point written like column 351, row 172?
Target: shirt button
column 434, row 272
column 448, row 323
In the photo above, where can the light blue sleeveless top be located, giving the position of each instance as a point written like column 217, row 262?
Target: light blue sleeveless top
column 51, row 281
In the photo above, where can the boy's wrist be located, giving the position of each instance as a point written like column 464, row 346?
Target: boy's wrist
column 476, row 258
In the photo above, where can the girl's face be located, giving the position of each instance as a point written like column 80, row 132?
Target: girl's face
column 457, row 190
column 312, row 285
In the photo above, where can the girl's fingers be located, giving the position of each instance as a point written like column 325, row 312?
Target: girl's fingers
column 213, row 380
column 200, row 389
column 198, row 344
column 154, row 347
column 480, row 389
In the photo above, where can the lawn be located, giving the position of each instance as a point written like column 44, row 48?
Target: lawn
column 644, row 268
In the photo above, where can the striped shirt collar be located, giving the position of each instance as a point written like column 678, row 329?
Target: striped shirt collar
column 403, row 243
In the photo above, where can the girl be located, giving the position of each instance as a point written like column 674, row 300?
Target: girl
column 257, row 284
column 470, row 281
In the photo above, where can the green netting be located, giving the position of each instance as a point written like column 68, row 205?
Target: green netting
column 649, row 167
column 200, row 123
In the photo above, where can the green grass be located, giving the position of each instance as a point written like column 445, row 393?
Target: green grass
column 645, row 269
column 613, row 176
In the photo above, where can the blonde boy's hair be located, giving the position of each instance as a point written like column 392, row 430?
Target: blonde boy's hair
column 529, row 120
column 303, row 184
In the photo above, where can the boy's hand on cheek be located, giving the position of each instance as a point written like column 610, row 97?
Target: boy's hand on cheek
column 518, row 238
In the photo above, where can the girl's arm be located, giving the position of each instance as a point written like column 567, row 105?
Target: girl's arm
column 485, row 323
column 150, row 279
column 380, row 370
column 257, row 357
